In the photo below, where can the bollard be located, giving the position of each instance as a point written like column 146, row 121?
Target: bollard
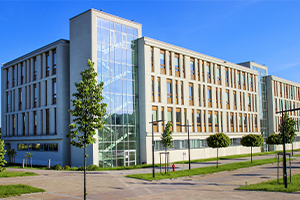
column 173, row 167
column 23, row 162
column 49, row 164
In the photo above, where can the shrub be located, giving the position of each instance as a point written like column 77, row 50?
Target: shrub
column 66, row 167
column 81, row 168
column 57, row 167
column 92, row 168
column 74, row 168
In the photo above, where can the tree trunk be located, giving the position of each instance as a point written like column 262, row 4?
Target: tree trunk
column 251, row 154
column 217, row 157
column 292, row 149
column 84, row 171
column 31, row 161
column 165, row 160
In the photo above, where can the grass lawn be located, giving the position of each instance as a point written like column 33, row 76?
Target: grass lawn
column 14, row 190
column 273, row 186
column 7, row 174
column 297, row 155
column 204, row 170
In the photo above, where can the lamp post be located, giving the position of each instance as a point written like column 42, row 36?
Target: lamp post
column 152, row 122
column 188, row 127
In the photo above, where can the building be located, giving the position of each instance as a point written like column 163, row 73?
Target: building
column 142, row 78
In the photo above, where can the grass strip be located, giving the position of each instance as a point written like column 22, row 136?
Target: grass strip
column 7, row 174
column 273, row 186
column 204, row 170
column 14, row 190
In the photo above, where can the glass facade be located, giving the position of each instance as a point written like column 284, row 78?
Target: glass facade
column 117, row 68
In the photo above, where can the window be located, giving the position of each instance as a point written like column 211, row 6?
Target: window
column 213, row 74
column 14, row 75
column 7, row 101
column 251, row 83
column 158, row 89
column 198, row 121
column 152, row 88
column 154, row 117
column 245, row 122
column 46, row 93
column 162, row 117
column 226, row 76
column 20, row 99
column 199, row 94
column 162, row 62
column 169, row 90
column 35, row 68
column 55, row 121
column 202, row 63
column 227, row 120
column 216, row 121
column 54, row 91
column 231, row 122
column 170, row 117
column 178, row 119
column 193, row 128
column 47, row 64
column 181, row 88
column 184, row 120
column 217, row 99
column 240, row 123
column 198, row 71
column 230, row 74
column 209, row 117
column 280, row 89
column 227, row 99
column 209, row 96
column 177, row 65
column 47, row 122
column 255, row 121
column 218, row 74
column 183, row 67
column 241, row 102
column 275, row 105
column 35, row 95
column 204, row 118
column 14, row 125
column 170, row 65
column 208, row 72
column 176, row 91
column 24, row 119
column 244, row 101
column 35, row 122
column 151, row 57
column 220, row 98
column 192, row 65
column 243, row 80
column 22, row 73
column 203, row 96
column 239, row 79
column 7, row 78
column 54, row 62
column 191, row 94
column 234, row 100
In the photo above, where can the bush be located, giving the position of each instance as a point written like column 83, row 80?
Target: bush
column 74, row 168
column 81, row 168
column 66, row 167
column 57, row 167
column 92, row 168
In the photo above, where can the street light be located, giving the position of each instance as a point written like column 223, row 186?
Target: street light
column 188, row 126
column 152, row 122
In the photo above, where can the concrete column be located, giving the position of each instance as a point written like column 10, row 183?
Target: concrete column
column 187, row 67
column 31, row 70
column 40, row 122
column 31, row 123
column 49, row 92
column 167, row 63
column 196, row 65
column 52, row 121
column 51, row 62
column 40, row 68
column 19, row 121
column 200, row 71
column 26, row 123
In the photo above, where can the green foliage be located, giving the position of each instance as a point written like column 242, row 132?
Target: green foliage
column 17, row 190
column 28, row 155
column 166, row 137
column 218, row 140
column 67, row 167
column 7, row 174
column 2, row 153
column 88, row 111
column 92, row 168
column 274, row 139
column 252, row 140
column 57, row 167
column 11, row 154
column 74, row 168
column 289, row 129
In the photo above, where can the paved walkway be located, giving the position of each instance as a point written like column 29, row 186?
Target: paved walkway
column 113, row 184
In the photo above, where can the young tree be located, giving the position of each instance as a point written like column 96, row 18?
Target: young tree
column 2, row 153
column 289, row 129
column 29, row 155
column 218, row 140
column 273, row 139
column 252, row 140
column 88, row 112
column 166, row 139
column 11, row 154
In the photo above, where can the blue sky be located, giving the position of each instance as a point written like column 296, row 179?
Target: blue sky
column 266, row 32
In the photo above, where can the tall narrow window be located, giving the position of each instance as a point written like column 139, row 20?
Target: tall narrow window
column 20, row 99
column 55, row 121
column 151, row 57
column 154, row 117
column 213, row 74
column 198, row 121
column 244, row 101
column 202, row 64
column 209, row 118
column 209, row 96
column 249, row 102
column 220, row 98
column 218, row 74
column 227, row 99
column 234, row 79
column 203, row 96
column 169, row 90
column 230, row 74
column 198, row 69
column 280, row 89
column 204, row 123
column 162, row 62
column 193, row 128
column 239, row 79
column 178, row 119
column 234, row 100
column 245, row 122
column 181, row 88
column 35, row 68
column 251, row 83
column 176, row 91
column 227, row 120
column 217, row 99
column 208, row 72
column 158, row 89
column 14, row 125
column 35, row 95
column 54, row 62
column 7, row 78
column 14, row 75
column 183, row 67
column 170, row 117
column 54, row 91
column 240, row 123
column 192, row 65
column 191, row 94
column 7, row 101
column 152, row 88
column 199, row 94
column 47, row 64
column 241, row 102
column 46, row 93
column 216, row 121
column 170, row 64
column 184, row 120
column 22, row 73
column 162, row 117
column 24, row 119
column 177, row 65
column 221, row 123
column 226, row 76
column 231, row 122
column 47, row 122
column 35, row 122
column 255, row 121
column 243, row 80
column 275, row 105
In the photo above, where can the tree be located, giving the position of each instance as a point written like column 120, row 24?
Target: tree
column 218, row 140
column 273, row 139
column 29, row 155
column 166, row 139
column 252, row 140
column 88, row 112
column 11, row 154
column 289, row 130
column 2, row 153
